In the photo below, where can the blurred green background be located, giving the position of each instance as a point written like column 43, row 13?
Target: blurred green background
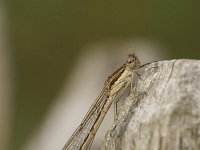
column 47, row 35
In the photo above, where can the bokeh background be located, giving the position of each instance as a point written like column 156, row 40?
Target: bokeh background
column 56, row 54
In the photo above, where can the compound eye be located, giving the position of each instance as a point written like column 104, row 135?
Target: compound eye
column 129, row 61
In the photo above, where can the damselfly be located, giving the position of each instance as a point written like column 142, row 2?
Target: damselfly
column 114, row 87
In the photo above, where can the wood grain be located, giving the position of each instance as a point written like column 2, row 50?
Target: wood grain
column 164, row 111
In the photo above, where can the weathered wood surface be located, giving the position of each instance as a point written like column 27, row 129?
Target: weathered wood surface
column 164, row 111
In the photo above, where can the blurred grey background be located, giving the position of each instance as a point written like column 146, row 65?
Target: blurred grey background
column 47, row 46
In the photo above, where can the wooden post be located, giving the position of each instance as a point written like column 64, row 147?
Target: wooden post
column 164, row 111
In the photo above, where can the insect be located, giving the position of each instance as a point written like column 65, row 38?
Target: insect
column 113, row 89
